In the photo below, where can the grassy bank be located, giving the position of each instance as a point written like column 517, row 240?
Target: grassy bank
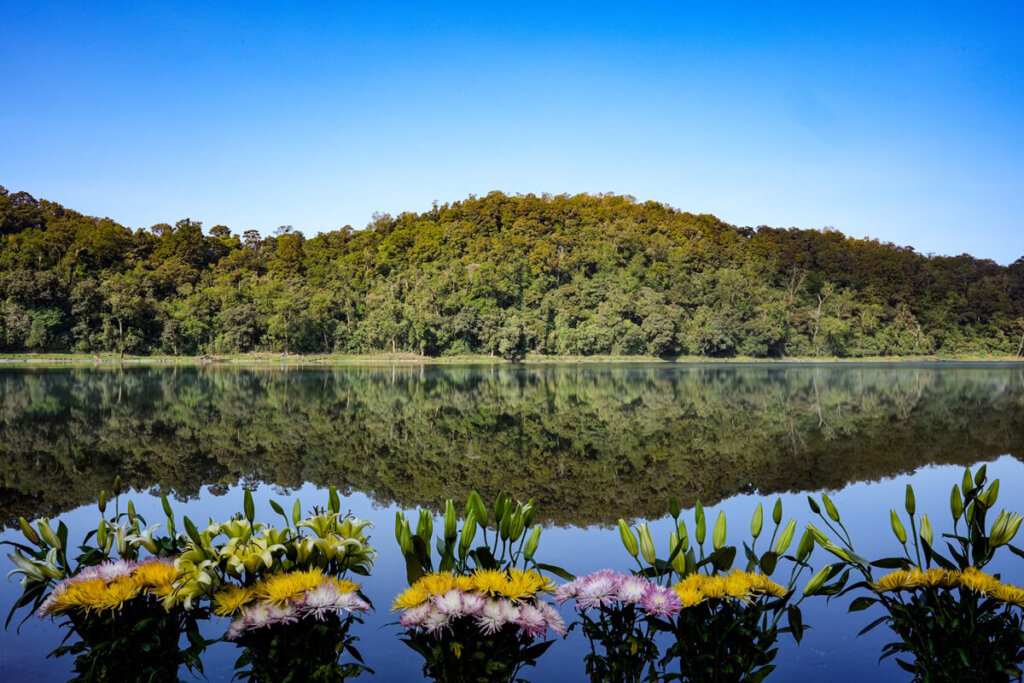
column 410, row 358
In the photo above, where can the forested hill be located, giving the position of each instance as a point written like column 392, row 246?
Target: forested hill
column 499, row 274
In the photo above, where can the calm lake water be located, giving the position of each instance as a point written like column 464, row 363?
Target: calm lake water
column 591, row 443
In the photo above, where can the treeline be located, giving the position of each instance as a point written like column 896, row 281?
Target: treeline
column 502, row 275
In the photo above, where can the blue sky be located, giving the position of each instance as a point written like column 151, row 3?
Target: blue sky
column 899, row 121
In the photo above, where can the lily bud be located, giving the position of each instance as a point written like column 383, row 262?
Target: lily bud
column 28, row 531
column 517, row 525
column 897, row 527
column 926, row 530
column 956, row 503
column 468, row 531
column 425, row 527
column 701, row 523
column 785, row 538
column 450, row 521
column 101, row 534
column 532, row 542
column 757, row 521
column 683, row 536
column 628, row 539
column 817, row 581
column 478, row 508
column 646, row 544
column 910, row 503
column 679, row 561
column 117, row 485
column 820, row 538
column 248, row 506
column 718, row 537
column 47, row 533
column 830, row 508
column 777, row 512
column 968, row 482
column 102, row 502
column 803, row 550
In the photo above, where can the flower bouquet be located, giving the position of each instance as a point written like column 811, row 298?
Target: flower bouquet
column 284, row 588
column 613, row 612
column 110, row 599
column 479, row 616
column 723, row 623
column 955, row 621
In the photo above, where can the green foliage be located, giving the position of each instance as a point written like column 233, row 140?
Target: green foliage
column 503, row 275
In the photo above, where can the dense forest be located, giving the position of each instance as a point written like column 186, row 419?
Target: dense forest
column 502, row 275
column 590, row 443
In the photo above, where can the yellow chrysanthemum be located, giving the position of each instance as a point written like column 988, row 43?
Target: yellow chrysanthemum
column 762, row 584
column 489, row 581
column 345, row 586
column 280, row 589
column 899, row 580
column 82, row 594
column 116, row 593
column 230, row 599
column 413, row 596
column 438, row 584
column 737, row 584
column 522, row 584
column 714, row 587
column 154, row 574
column 688, row 596
column 936, row 578
column 692, row 582
column 978, row 581
column 1011, row 595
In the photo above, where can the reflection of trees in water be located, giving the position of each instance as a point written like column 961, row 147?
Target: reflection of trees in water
column 591, row 443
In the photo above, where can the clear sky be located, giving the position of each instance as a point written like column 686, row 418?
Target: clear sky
column 896, row 120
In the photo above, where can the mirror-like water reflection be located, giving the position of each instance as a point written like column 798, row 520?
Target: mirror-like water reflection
column 591, row 443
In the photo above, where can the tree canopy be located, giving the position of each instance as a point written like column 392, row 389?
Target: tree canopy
column 502, row 275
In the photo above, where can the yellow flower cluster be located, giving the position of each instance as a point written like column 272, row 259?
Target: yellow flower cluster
column 99, row 594
column 516, row 585
column 736, row 585
column 279, row 590
column 969, row 579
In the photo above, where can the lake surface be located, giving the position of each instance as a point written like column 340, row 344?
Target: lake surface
column 591, row 443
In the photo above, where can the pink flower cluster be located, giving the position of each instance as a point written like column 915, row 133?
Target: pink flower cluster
column 317, row 603
column 489, row 615
column 605, row 588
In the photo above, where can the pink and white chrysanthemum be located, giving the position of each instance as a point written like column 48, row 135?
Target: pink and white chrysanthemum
column 567, row 591
column 661, row 601
column 108, row 571
column 415, row 616
column 531, row 620
column 319, row 601
column 599, row 589
column 552, row 618
column 436, row 622
column 282, row 615
column 236, row 628
column 491, row 618
column 255, row 616
column 632, row 589
column 44, row 608
column 473, row 603
column 352, row 602
column 450, row 604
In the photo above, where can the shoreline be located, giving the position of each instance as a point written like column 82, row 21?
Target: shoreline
column 28, row 359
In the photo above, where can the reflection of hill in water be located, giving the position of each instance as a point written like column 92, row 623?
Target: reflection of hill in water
column 591, row 443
